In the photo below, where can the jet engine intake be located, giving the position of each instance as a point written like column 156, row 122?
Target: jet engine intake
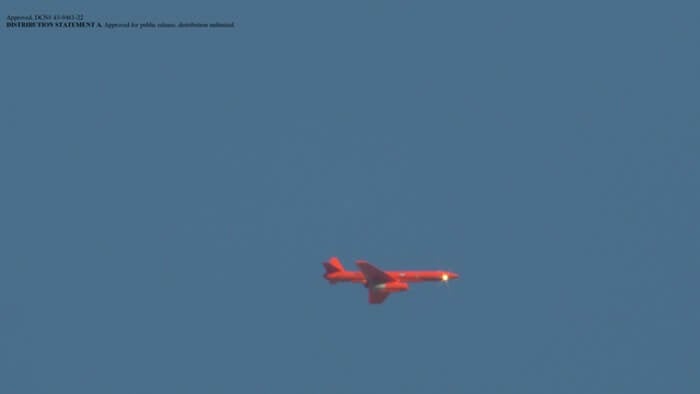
column 391, row 287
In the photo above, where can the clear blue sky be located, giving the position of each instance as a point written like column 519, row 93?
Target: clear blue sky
column 167, row 198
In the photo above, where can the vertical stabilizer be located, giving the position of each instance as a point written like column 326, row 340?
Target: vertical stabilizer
column 333, row 265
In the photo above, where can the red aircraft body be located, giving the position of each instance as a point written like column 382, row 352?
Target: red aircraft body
column 380, row 283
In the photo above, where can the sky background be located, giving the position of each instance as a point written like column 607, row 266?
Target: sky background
column 167, row 197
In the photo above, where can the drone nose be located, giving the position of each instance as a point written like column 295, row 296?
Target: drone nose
column 453, row 275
